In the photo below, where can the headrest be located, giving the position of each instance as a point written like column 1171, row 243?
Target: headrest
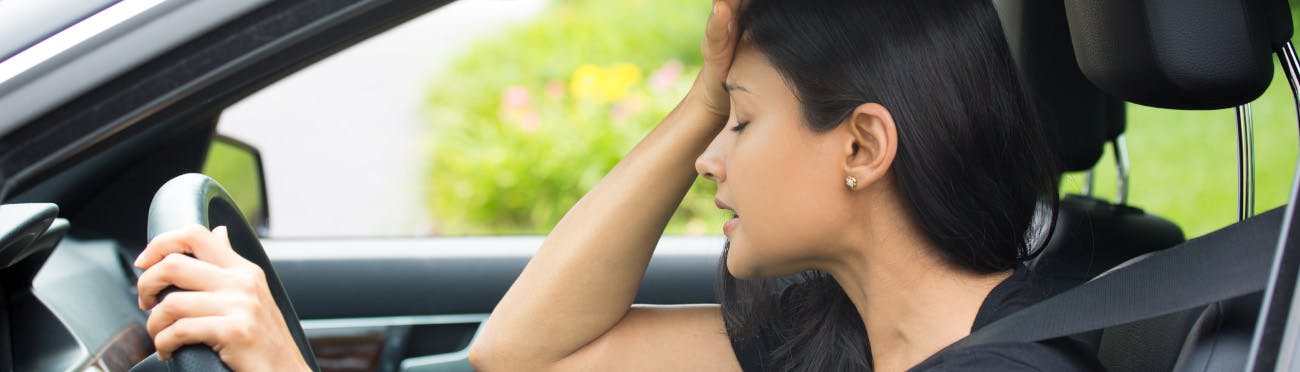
column 1181, row 54
column 1076, row 116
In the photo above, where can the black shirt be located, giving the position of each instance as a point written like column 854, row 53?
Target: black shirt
column 1013, row 294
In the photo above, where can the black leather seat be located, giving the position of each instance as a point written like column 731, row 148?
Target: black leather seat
column 1091, row 235
column 1201, row 54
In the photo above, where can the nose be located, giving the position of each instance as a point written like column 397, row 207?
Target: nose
column 710, row 163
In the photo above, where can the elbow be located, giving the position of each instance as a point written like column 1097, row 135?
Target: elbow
column 480, row 356
column 485, row 354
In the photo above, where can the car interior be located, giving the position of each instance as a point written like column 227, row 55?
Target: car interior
column 90, row 172
column 1132, row 54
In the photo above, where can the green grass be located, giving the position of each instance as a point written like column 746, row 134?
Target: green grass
column 1184, row 163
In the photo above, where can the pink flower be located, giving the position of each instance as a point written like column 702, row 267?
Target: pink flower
column 515, row 97
column 619, row 113
column 529, row 122
column 666, row 75
column 516, row 107
column 554, row 89
column 623, row 110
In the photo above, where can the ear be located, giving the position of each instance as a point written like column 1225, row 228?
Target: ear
column 871, row 143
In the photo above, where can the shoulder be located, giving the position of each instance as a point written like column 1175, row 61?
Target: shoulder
column 1015, row 293
column 1052, row 355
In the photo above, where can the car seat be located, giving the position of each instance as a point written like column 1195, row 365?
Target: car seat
column 1091, row 235
column 1187, row 54
column 1094, row 235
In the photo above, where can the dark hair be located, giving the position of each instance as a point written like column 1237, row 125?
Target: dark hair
column 972, row 163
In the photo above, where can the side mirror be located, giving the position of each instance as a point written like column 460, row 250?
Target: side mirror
column 237, row 165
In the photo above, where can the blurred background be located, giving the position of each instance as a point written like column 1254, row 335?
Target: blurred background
column 492, row 117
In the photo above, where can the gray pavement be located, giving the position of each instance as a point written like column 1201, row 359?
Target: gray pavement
column 343, row 142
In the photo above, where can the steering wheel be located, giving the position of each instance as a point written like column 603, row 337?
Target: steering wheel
column 196, row 199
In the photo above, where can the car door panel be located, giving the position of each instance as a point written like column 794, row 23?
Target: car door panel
column 415, row 304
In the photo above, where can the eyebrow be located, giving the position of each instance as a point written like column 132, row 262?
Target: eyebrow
column 731, row 87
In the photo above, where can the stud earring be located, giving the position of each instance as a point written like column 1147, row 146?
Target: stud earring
column 851, row 182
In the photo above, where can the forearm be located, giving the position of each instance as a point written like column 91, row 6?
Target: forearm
column 583, row 279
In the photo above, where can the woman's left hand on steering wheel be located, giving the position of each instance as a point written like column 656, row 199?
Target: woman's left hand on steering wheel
column 226, row 302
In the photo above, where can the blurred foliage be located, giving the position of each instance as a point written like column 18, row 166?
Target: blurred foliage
column 238, row 171
column 528, row 121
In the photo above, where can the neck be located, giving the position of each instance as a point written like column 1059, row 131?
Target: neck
column 912, row 303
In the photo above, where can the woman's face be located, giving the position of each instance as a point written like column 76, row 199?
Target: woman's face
column 784, row 182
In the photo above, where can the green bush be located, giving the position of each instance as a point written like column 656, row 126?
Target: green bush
column 237, row 171
column 528, row 121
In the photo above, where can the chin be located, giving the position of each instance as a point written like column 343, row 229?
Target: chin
column 738, row 265
column 741, row 271
column 744, row 263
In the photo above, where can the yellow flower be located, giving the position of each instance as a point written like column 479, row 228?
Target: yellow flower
column 604, row 84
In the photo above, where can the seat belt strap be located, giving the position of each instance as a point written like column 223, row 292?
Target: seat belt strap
column 1221, row 265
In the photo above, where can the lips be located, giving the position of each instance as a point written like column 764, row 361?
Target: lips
column 730, row 225
column 735, row 217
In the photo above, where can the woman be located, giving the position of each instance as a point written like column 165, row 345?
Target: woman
column 879, row 155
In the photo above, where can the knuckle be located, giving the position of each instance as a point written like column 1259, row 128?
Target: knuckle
column 195, row 229
column 251, row 279
column 245, row 301
column 162, row 311
column 241, row 332
column 169, row 265
column 156, row 274
column 245, row 283
column 180, row 330
column 254, row 270
column 155, row 323
column 162, row 343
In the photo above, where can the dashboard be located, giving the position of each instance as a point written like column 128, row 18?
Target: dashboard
column 69, row 303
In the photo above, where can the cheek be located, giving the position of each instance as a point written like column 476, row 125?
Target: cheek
column 791, row 205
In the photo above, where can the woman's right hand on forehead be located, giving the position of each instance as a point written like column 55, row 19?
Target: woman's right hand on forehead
column 721, row 34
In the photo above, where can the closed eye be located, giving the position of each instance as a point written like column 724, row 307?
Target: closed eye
column 739, row 126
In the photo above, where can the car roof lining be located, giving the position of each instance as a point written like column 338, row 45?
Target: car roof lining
column 101, row 47
column 54, row 15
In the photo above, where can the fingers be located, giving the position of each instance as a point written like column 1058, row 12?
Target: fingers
column 221, row 239
column 719, row 35
column 182, row 305
column 211, row 246
column 187, row 331
column 181, row 271
column 228, row 307
column 167, row 243
column 719, row 25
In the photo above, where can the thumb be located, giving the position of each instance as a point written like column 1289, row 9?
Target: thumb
column 224, row 251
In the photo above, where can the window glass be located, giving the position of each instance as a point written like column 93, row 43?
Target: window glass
column 238, row 171
column 485, row 117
